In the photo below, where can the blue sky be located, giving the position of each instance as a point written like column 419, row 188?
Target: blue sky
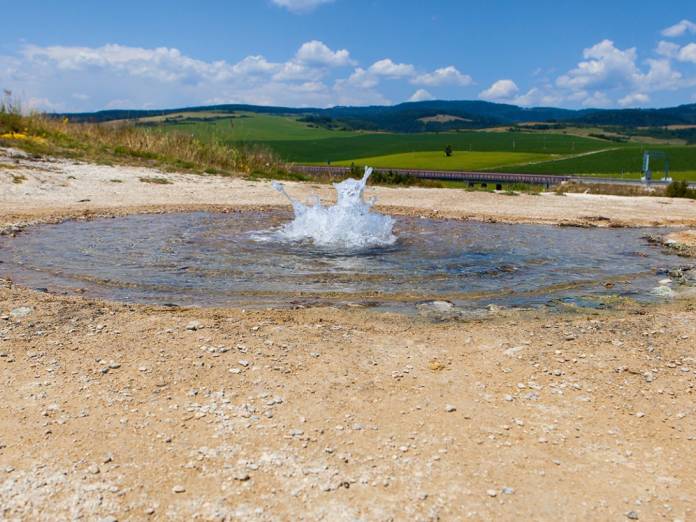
column 73, row 56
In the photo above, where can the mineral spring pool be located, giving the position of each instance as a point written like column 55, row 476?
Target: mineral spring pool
column 341, row 254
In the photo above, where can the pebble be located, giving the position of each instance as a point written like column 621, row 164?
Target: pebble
column 178, row 489
column 491, row 493
column 21, row 311
column 449, row 408
column 508, row 491
column 193, row 326
column 108, row 519
column 93, row 469
column 640, row 414
column 632, row 515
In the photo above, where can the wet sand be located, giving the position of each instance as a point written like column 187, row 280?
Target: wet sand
column 151, row 413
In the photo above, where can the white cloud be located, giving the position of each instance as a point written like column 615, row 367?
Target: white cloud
column 316, row 52
column 538, row 97
column 500, row 90
column 679, row 29
column 421, row 95
column 300, row 6
column 597, row 99
column 443, row 76
column 141, row 77
column 687, row 53
column 604, row 65
column 634, row 100
column 667, row 49
column 389, row 69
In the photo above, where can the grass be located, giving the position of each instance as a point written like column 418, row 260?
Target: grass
column 460, row 160
column 155, row 180
column 126, row 144
column 339, row 148
column 253, row 127
column 298, row 142
column 619, row 162
column 18, row 178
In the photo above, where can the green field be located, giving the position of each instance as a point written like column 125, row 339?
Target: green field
column 524, row 152
column 251, row 127
column 624, row 161
column 460, row 160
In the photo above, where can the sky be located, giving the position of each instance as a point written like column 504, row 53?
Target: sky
column 72, row 56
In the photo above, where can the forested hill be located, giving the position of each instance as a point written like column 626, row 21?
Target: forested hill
column 431, row 115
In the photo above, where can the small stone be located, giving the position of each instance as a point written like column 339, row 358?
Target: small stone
column 93, row 469
column 244, row 362
column 632, row 515
column 241, row 476
column 491, row 493
column 450, row 408
column 178, row 489
column 193, row 326
column 640, row 414
column 114, row 365
column 21, row 311
column 108, row 519
column 507, row 491
column 150, row 511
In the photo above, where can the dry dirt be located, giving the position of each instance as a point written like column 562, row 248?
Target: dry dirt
column 128, row 412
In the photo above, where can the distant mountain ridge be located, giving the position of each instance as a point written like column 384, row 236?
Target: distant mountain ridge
column 420, row 116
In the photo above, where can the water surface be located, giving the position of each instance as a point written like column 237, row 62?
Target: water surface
column 211, row 259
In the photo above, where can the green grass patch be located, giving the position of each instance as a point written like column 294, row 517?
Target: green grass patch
column 18, row 178
column 459, row 160
column 621, row 162
column 252, row 127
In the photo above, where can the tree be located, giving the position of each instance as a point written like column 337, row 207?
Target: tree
column 448, row 150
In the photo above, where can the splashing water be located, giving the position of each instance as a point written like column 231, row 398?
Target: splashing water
column 347, row 225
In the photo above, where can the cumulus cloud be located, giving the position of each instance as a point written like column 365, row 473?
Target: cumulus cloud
column 687, row 53
column 597, row 99
column 604, row 65
column 389, row 69
column 142, row 77
column 300, row 6
column 316, row 52
column 607, row 69
column 421, row 95
column 500, row 90
column 680, row 28
column 443, row 76
column 635, row 99
column 538, row 97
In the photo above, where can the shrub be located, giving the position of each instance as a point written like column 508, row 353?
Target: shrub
column 680, row 189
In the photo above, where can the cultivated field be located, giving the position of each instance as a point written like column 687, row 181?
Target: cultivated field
column 547, row 152
column 459, row 160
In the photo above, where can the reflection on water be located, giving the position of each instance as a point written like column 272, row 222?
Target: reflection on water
column 213, row 259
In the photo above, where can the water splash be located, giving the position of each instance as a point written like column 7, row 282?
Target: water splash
column 348, row 225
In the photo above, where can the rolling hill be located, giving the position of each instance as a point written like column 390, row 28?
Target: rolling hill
column 427, row 116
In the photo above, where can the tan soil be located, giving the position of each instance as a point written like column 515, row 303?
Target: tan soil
column 327, row 414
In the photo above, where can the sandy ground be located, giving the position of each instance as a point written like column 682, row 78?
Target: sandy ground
column 127, row 412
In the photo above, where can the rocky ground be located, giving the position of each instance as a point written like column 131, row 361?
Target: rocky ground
column 129, row 412
column 132, row 413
